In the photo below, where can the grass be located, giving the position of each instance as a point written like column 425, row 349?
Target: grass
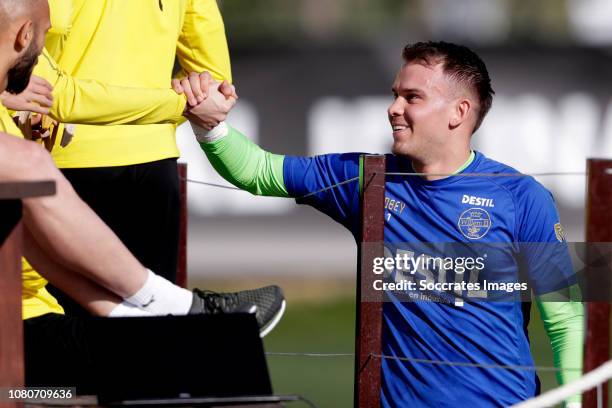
column 327, row 327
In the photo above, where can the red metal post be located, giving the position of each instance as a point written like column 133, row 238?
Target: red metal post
column 12, row 369
column 369, row 313
column 181, row 269
column 12, row 373
column 598, row 229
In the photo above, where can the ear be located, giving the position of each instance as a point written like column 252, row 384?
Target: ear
column 25, row 36
column 460, row 113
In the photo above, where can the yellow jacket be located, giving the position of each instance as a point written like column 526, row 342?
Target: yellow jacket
column 93, row 102
column 36, row 300
column 132, row 44
column 200, row 45
column 80, row 101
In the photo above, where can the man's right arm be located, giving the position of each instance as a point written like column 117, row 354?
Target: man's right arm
column 324, row 182
column 242, row 162
column 319, row 181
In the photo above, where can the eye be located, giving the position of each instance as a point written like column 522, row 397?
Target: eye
column 412, row 97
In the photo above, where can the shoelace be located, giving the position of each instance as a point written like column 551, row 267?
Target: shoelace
column 218, row 303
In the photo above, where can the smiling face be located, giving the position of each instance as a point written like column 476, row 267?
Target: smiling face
column 421, row 115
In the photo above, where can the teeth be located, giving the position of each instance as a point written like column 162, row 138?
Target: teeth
column 398, row 127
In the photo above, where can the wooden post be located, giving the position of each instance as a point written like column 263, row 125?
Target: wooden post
column 598, row 229
column 181, row 270
column 369, row 312
column 12, row 371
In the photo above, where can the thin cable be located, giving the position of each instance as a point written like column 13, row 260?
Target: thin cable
column 227, row 187
column 425, row 361
column 330, row 187
column 307, row 402
column 487, row 174
column 475, row 365
column 213, row 185
column 205, row 183
column 311, row 354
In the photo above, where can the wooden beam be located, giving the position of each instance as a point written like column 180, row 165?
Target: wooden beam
column 598, row 229
column 181, row 270
column 27, row 189
column 369, row 310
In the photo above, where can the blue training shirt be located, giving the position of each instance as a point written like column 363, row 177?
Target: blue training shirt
column 475, row 210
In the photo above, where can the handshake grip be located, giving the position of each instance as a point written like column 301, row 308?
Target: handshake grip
column 209, row 102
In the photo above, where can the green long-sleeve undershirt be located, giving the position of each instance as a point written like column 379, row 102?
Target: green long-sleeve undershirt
column 248, row 167
column 564, row 324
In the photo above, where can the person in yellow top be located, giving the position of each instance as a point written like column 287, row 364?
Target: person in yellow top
column 84, row 101
column 128, row 173
column 69, row 244
column 70, row 100
column 73, row 100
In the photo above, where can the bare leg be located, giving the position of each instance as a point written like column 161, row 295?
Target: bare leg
column 63, row 225
column 88, row 294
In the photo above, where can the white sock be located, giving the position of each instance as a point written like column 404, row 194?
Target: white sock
column 125, row 309
column 159, row 296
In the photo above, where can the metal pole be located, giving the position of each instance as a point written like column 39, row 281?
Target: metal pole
column 598, row 229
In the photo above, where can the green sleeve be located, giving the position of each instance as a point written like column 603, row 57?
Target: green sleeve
column 564, row 324
column 246, row 165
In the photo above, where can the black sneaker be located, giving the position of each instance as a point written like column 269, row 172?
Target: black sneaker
column 268, row 304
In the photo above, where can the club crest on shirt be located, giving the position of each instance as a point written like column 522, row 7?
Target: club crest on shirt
column 474, row 223
column 560, row 232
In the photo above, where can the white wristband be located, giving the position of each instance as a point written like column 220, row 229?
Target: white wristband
column 209, row 136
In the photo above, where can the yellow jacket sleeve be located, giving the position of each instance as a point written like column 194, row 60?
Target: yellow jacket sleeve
column 62, row 13
column 202, row 45
column 92, row 102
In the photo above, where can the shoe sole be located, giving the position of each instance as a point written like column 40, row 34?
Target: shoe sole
column 272, row 324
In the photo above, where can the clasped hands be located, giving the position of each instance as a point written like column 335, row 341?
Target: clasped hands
column 209, row 101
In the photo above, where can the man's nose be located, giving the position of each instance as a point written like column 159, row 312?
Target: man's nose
column 396, row 108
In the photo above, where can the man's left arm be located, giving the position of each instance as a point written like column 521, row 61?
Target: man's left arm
column 202, row 45
column 564, row 325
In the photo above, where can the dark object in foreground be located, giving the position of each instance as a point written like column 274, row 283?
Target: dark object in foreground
column 148, row 358
column 210, row 356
